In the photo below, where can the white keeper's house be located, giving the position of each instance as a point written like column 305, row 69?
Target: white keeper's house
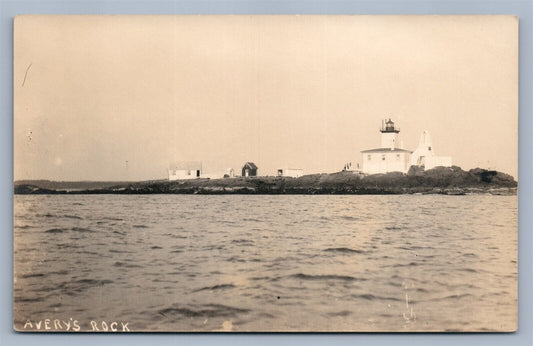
column 390, row 156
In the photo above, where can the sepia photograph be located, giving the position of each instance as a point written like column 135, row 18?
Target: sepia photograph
column 265, row 173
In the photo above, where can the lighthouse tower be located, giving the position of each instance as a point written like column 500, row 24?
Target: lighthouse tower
column 389, row 134
column 390, row 156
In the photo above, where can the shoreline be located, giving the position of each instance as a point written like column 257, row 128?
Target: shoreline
column 440, row 180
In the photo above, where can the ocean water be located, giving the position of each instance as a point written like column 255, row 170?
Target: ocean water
column 265, row 263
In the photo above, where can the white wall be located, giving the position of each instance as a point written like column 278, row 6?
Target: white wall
column 373, row 163
column 389, row 140
column 291, row 172
column 182, row 174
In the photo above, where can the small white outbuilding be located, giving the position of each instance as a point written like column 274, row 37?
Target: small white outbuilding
column 290, row 172
column 185, row 170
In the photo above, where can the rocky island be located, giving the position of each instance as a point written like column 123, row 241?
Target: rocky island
column 440, row 180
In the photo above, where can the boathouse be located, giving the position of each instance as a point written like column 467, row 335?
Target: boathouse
column 249, row 170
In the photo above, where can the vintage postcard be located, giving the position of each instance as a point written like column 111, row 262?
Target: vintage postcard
column 265, row 173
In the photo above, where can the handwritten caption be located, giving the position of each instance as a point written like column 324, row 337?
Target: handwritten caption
column 72, row 325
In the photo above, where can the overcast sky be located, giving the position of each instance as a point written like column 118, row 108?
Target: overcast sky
column 120, row 97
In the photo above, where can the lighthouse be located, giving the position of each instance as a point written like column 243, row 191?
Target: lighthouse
column 390, row 156
column 389, row 134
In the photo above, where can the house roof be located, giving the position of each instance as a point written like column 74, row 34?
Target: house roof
column 386, row 150
column 250, row 165
column 185, row 166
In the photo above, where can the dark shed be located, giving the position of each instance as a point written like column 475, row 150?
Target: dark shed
column 249, row 170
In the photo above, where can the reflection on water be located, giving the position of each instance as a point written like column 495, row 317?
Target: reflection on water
column 268, row 263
